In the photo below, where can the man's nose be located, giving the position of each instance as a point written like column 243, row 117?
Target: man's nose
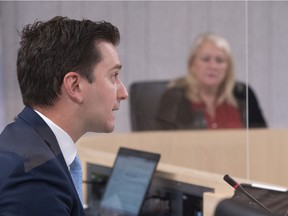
column 122, row 92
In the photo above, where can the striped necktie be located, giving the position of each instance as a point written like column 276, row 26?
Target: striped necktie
column 76, row 174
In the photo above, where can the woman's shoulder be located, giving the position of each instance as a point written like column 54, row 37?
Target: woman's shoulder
column 177, row 86
column 174, row 92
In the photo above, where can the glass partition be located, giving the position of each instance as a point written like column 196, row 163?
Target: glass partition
column 155, row 47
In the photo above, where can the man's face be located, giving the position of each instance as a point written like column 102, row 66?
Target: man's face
column 102, row 97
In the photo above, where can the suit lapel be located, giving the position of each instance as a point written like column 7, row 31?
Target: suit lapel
column 33, row 119
column 40, row 126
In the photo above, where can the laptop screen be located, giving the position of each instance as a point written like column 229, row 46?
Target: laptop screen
column 128, row 183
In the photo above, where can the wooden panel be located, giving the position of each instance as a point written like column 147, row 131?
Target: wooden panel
column 268, row 156
column 222, row 152
column 218, row 151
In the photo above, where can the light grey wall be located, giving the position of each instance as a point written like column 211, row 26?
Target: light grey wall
column 156, row 38
column 268, row 58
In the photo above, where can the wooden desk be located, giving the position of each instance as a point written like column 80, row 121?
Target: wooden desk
column 201, row 157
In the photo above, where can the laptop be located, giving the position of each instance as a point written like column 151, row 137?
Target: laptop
column 128, row 183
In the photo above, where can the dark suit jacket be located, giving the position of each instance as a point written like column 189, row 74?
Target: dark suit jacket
column 34, row 178
column 175, row 110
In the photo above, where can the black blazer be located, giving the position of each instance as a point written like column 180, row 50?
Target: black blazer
column 175, row 110
column 34, row 177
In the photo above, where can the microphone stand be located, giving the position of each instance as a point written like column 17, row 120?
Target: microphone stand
column 238, row 187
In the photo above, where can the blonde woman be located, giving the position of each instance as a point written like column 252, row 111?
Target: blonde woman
column 207, row 97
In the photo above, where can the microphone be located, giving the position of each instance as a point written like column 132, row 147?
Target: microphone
column 238, row 187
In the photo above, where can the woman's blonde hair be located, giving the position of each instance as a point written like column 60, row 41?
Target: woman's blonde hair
column 190, row 82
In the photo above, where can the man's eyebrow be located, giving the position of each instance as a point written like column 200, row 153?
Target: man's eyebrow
column 117, row 66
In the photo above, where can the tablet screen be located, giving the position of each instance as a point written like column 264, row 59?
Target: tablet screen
column 128, row 183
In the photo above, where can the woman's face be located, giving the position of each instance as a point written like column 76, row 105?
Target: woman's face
column 210, row 65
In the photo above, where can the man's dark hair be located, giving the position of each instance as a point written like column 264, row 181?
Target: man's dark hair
column 49, row 50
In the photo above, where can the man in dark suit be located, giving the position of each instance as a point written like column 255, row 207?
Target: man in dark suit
column 68, row 72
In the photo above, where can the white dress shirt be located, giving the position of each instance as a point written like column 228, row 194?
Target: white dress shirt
column 66, row 143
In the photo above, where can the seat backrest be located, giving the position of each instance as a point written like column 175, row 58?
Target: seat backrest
column 145, row 97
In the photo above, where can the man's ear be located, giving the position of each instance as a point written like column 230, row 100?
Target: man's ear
column 72, row 87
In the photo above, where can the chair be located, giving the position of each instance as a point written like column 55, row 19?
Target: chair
column 145, row 97
column 255, row 116
column 144, row 100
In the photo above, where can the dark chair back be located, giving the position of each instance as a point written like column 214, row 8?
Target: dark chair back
column 144, row 100
column 145, row 97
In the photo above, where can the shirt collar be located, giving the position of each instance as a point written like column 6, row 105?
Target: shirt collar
column 65, row 142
